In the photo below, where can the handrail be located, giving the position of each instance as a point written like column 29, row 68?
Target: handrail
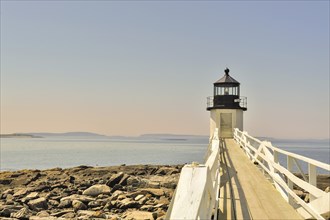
column 197, row 192
column 266, row 155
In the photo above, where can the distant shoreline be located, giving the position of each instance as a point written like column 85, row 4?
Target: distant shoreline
column 19, row 136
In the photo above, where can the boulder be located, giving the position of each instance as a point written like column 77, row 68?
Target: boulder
column 43, row 214
column 5, row 212
column 115, row 179
column 61, row 213
column 20, row 192
column 78, row 205
column 154, row 185
column 123, row 181
column 155, row 192
column 128, row 203
column 138, row 197
column 32, row 195
column 8, row 191
column 133, row 181
column 97, row 189
column 141, row 215
column 38, row 204
column 91, row 214
column 115, row 187
column 69, row 215
column 65, row 204
column 82, row 198
column 94, row 204
column 23, row 213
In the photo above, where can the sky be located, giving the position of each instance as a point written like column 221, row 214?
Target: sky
column 136, row 67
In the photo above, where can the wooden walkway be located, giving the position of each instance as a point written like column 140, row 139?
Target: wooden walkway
column 251, row 194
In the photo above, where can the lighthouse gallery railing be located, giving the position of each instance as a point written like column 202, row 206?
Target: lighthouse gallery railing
column 242, row 101
column 267, row 156
column 197, row 193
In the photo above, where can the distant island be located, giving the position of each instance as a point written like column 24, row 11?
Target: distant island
column 166, row 137
column 18, row 136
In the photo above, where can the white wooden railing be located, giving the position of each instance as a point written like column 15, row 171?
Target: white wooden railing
column 197, row 192
column 267, row 156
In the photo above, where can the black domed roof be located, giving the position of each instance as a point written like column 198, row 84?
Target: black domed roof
column 227, row 79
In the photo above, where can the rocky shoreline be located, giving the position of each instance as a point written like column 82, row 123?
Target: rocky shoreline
column 117, row 192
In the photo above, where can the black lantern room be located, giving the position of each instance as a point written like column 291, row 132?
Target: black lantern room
column 226, row 94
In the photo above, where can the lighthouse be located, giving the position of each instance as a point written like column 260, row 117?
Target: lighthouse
column 226, row 106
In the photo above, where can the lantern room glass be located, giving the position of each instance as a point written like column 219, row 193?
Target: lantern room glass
column 218, row 90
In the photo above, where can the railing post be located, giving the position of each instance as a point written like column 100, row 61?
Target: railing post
column 289, row 182
column 312, row 178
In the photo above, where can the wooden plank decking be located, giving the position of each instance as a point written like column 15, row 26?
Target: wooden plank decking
column 254, row 196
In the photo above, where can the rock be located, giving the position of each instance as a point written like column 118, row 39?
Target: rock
column 97, row 189
column 162, row 171
column 65, row 204
column 38, row 204
column 23, row 213
column 306, row 198
column 77, row 205
column 115, row 187
column 123, row 181
column 8, row 191
column 115, row 179
column 155, row 192
column 41, row 188
column 160, row 214
column 61, row 213
column 9, row 197
column 147, row 208
column 4, row 212
column 53, row 202
column 69, row 215
column 155, row 185
column 5, row 181
column 34, row 177
column 94, row 204
column 327, row 189
column 128, row 203
column 42, row 218
column 140, row 215
column 133, row 181
column 121, row 197
column 32, row 195
column 91, row 214
column 82, row 198
column 71, row 179
column 300, row 193
column 43, row 214
column 20, row 192
column 164, row 200
column 138, row 197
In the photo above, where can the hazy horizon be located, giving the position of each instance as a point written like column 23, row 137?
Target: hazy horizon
column 131, row 68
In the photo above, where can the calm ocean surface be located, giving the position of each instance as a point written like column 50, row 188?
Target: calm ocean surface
column 43, row 153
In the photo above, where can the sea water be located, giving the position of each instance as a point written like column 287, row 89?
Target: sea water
column 43, row 153
column 64, row 152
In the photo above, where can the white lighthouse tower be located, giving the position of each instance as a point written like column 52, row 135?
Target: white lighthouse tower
column 226, row 106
